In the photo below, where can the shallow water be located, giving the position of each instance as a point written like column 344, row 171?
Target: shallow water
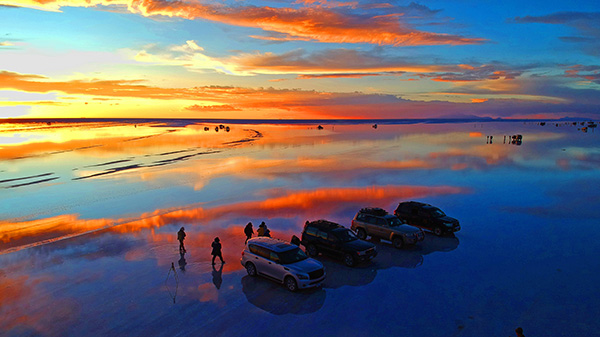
column 89, row 214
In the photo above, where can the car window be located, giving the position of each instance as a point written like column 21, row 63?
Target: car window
column 274, row 257
column 369, row 219
column 311, row 231
column 360, row 217
column 437, row 213
column 414, row 211
column 322, row 235
column 345, row 235
column 381, row 222
column 394, row 222
column 292, row 256
column 261, row 251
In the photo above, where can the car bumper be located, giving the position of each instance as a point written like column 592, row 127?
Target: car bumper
column 365, row 258
column 305, row 284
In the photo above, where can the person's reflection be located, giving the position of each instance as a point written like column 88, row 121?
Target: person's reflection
column 182, row 262
column 217, row 278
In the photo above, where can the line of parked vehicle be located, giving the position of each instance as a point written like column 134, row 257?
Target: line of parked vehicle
column 286, row 263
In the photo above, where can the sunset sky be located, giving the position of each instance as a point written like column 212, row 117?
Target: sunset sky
column 303, row 59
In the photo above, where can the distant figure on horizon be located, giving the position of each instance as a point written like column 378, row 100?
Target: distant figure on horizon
column 263, row 230
column 180, row 238
column 248, row 230
column 519, row 332
column 216, row 251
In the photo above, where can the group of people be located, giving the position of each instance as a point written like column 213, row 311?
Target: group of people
column 216, row 244
column 262, row 230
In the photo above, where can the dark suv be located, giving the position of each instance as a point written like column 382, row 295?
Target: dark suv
column 378, row 223
column 426, row 216
column 333, row 239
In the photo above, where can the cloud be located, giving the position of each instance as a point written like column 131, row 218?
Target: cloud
column 315, row 23
column 299, row 61
column 589, row 73
column 586, row 23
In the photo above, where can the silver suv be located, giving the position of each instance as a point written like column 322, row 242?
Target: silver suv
column 282, row 262
column 377, row 223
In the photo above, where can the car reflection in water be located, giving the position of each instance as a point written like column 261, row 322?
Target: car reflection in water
column 339, row 275
column 276, row 299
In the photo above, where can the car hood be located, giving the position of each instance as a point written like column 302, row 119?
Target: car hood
column 447, row 219
column 406, row 229
column 305, row 266
column 359, row 245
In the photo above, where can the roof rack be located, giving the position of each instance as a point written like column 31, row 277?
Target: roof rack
column 324, row 224
column 374, row 211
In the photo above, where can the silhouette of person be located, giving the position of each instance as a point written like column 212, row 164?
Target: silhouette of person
column 216, row 251
column 248, row 230
column 181, row 237
column 519, row 332
column 217, row 278
column 181, row 261
column 263, row 230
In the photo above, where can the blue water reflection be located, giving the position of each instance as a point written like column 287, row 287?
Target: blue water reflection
column 89, row 215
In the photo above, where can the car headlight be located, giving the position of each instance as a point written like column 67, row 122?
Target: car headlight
column 302, row 276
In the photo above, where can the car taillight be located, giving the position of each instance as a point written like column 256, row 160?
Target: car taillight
column 242, row 253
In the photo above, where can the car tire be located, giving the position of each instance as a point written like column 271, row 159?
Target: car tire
column 438, row 231
column 349, row 260
column 251, row 269
column 290, row 284
column 312, row 250
column 361, row 233
column 398, row 242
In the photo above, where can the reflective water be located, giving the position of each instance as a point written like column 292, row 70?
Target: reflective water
column 89, row 214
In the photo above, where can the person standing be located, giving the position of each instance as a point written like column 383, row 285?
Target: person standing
column 180, row 238
column 216, row 250
column 263, row 230
column 248, row 230
column 519, row 332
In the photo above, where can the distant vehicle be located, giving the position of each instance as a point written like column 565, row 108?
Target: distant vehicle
column 378, row 223
column 282, row 262
column 426, row 216
column 333, row 239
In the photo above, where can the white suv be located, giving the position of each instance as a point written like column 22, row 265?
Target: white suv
column 282, row 262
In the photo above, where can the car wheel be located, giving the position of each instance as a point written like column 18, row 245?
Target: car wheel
column 349, row 260
column 398, row 242
column 437, row 231
column 290, row 283
column 361, row 234
column 312, row 250
column 251, row 269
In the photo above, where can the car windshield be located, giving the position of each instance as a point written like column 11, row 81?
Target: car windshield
column 437, row 213
column 292, row 256
column 395, row 222
column 345, row 235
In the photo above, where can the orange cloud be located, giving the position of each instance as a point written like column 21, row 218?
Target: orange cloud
column 478, row 100
column 314, row 23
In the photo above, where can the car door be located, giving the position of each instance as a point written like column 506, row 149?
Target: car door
column 274, row 267
column 370, row 226
column 381, row 227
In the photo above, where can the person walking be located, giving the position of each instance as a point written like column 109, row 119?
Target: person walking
column 248, row 230
column 180, row 238
column 216, row 250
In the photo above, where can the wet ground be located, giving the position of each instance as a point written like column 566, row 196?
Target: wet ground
column 89, row 214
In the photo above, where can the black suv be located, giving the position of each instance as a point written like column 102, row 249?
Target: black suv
column 377, row 223
column 426, row 216
column 333, row 239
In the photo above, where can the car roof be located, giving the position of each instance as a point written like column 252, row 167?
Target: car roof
column 414, row 203
column 275, row 245
column 373, row 211
column 324, row 224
